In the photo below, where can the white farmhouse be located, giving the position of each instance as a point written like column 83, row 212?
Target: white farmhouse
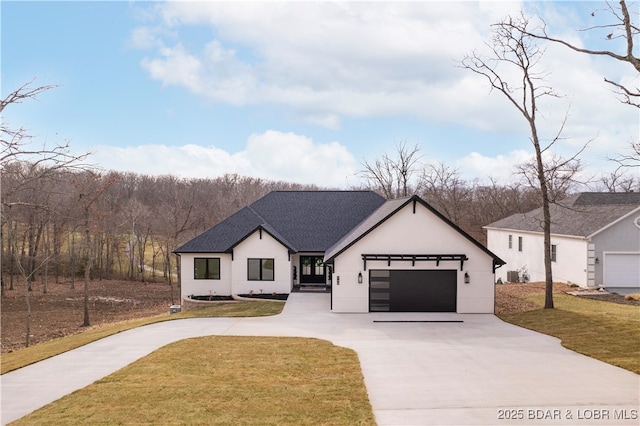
column 372, row 255
column 595, row 242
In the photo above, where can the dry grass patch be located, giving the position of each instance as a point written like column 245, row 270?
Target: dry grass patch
column 225, row 380
column 20, row 358
column 606, row 331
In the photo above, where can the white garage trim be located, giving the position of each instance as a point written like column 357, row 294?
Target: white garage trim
column 621, row 269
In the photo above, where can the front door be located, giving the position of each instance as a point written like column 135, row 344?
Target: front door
column 312, row 270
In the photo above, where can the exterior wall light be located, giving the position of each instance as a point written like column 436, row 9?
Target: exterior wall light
column 467, row 278
column 359, row 277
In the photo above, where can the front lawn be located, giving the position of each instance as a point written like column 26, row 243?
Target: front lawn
column 20, row 358
column 225, row 380
column 606, row 331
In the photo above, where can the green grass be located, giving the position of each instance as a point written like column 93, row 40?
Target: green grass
column 605, row 331
column 224, row 380
column 13, row 360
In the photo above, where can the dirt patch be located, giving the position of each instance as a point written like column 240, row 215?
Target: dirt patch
column 60, row 311
column 509, row 296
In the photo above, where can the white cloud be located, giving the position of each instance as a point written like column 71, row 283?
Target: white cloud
column 328, row 61
column 270, row 155
column 354, row 59
column 501, row 167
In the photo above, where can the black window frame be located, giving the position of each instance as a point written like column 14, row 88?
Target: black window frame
column 209, row 270
column 554, row 253
column 261, row 269
column 520, row 244
column 510, row 241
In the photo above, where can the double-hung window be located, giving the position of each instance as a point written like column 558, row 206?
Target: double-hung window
column 510, row 241
column 206, row 268
column 554, row 253
column 519, row 243
column 260, row 269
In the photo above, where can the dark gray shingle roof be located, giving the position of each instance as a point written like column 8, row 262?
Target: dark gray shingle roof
column 581, row 215
column 303, row 221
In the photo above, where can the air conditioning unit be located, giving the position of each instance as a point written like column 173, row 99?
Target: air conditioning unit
column 513, row 276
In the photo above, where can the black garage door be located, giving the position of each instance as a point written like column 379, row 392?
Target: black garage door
column 412, row 290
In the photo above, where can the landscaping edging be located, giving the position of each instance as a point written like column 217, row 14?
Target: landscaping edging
column 254, row 299
column 188, row 303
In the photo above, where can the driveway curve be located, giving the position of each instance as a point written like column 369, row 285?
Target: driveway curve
column 419, row 368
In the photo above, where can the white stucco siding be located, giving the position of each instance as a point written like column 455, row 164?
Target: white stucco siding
column 189, row 286
column 571, row 256
column 409, row 233
column 260, row 245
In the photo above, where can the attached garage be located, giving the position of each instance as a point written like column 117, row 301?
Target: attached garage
column 407, row 257
column 621, row 270
column 412, row 290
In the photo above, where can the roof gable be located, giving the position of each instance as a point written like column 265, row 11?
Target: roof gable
column 382, row 214
column 303, row 221
column 581, row 215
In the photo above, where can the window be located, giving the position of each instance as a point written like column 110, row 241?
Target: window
column 519, row 243
column 554, row 252
column 206, row 268
column 260, row 269
column 510, row 241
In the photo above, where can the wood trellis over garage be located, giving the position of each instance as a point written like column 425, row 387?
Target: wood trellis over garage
column 413, row 258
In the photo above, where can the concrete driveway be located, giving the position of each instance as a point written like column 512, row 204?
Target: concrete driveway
column 418, row 369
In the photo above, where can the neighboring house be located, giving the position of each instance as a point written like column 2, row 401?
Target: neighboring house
column 372, row 254
column 595, row 242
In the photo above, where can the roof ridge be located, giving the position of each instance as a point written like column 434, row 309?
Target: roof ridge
column 258, row 215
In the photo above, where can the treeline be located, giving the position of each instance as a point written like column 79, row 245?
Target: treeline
column 57, row 222
column 62, row 223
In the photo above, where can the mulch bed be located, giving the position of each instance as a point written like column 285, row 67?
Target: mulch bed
column 611, row 297
column 276, row 296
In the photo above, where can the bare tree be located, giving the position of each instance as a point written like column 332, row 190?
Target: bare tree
column 16, row 148
column 515, row 52
column 559, row 174
column 447, row 191
column 90, row 185
column 620, row 25
column 619, row 181
column 14, row 143
column 393, row 176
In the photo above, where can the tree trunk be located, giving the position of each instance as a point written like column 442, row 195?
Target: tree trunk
column 87, row 268
column 26, row 298
column 544, row 194
column 73, row 260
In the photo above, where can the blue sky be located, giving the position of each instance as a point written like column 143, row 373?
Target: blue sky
column 297, row 91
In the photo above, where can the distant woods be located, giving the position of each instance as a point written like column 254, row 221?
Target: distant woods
column 60, row 224
column 65, row 223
